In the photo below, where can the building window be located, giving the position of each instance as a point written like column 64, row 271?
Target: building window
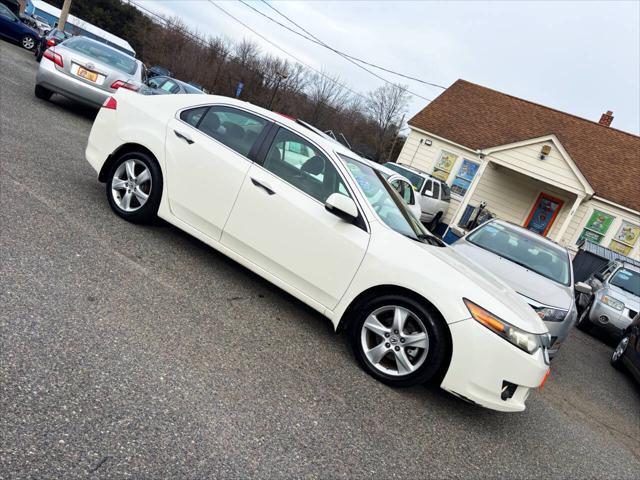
column 444, row 165
column 463, row 178
column 625, row 239
column 596, row 227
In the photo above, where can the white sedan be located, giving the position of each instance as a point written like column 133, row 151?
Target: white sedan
column 310, row 216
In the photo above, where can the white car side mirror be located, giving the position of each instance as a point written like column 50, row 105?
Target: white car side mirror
column 342, row 206
column 582, row 287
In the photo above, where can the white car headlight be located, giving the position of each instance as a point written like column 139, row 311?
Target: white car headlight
column 612, row 302
column 529, row 342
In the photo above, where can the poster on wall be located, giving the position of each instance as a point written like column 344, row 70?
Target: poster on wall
column 620, row 248
column 596, row 227
column 543, row 213
column 625, row 239
column 465, row 175
column 444, row 165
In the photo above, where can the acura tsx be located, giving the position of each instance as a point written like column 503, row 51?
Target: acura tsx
column 310, row 216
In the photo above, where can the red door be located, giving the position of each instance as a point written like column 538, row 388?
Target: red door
column 543, row 214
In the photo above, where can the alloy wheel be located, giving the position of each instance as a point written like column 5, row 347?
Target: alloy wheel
column 131, row 185
column 394, row 340
column 622, row 346
column 28, row 43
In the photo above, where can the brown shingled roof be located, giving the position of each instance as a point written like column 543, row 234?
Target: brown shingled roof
column 479, row 118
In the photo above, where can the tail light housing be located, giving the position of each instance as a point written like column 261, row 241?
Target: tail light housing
column 51, row 42
column 54, row 57
column 122, row 84
column 110, row 104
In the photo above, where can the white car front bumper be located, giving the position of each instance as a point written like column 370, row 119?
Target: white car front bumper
column 481, row 361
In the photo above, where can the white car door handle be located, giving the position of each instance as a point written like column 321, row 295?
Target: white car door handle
column 183, row 136
column 262, row 186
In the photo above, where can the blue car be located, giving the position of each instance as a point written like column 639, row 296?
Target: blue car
column 12, row 28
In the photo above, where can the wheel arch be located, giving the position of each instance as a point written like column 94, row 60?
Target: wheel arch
column 380, row 290
column 122, row 150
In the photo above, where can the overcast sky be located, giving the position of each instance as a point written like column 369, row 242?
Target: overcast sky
column 578, row 57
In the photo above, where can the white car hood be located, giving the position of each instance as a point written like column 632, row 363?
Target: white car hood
column 512, row 307
column 524, row 281
column 629, row 299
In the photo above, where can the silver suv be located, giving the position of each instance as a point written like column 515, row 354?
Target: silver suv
column 434, row 194
column 615, row 299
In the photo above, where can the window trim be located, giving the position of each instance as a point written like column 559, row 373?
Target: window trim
column 360, row 221
column 252, row 155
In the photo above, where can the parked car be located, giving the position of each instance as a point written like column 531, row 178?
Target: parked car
column 12, row 28
column 537, row 268
column 329, row 230
column 615, row 298
column 627, row 352
column 161, row 85
column 402, row 185
column 434, row 194
column 157, row 71
column 39, row 24
column 53, row 38
column 86, row 70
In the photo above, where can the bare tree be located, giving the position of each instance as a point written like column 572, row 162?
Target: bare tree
column 385, row 106
column 325, row 93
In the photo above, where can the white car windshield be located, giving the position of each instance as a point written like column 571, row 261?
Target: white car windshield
column 628, row 280
column 416, row 180
column 527, row 251
column 386, row 202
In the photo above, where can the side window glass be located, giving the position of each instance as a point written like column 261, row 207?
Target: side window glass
column 403, row 189
column 436, row 190
column 168, row 86
column 155, row 82
column 428, row 188
column 301, row 164
column 193, row 115
column 234, row 128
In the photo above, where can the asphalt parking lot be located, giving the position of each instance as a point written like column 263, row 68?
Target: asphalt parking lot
column 129, row 351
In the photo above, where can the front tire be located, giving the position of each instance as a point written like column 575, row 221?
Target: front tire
column 43, row 93
column 583, row 323
column 618, row 353
column 398, row 341
column 28, row 42
column 134, row 187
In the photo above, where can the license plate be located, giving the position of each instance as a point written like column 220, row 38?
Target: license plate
column 89, row 75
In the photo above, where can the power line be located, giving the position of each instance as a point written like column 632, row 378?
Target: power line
column 321, row 43
column 286, row 52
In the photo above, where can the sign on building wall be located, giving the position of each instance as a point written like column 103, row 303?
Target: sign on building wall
column 465, row 175
column 444, row 165
column 625, row 239
column 596, row 227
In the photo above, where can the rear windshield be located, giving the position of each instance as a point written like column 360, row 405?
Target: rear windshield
column 416, row 180
column 103, row 54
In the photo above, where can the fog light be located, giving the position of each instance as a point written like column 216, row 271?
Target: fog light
column 508, row 389
column 603, row 319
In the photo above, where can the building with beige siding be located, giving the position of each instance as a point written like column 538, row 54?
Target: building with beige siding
column 565, row 177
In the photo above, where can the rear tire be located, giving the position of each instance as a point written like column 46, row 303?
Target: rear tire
column 43, row 93
column 134, row 187
column 399, row 353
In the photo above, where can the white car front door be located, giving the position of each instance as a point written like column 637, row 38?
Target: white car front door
column 279, row 221
column 207, row 158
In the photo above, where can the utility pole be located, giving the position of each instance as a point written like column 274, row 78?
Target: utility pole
column 64, row 14
column 281, row 76
column 395, row 139
column 23, row 6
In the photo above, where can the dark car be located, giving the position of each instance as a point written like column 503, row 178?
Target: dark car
column 627, row 353
column 158, row 71
column 167, row 85
column 53, row 38
column 12, row 28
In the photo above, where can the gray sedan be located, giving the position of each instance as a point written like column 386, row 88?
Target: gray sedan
column 535, row 267
column 87, row 71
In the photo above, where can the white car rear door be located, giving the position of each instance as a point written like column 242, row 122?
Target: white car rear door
column 279, row 221
column 208, row 152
